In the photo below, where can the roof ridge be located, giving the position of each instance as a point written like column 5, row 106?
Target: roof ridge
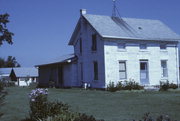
column 123, row 17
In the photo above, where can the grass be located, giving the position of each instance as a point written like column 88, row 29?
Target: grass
column 118, row 106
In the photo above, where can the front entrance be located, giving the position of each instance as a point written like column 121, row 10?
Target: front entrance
column 144, row 76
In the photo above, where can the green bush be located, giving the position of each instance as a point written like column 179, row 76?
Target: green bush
column 164, row 86
column 84, row 117
column 132, row 85
column 111, row 87
column 128, row 85
column 42, row 110
column 148, row 117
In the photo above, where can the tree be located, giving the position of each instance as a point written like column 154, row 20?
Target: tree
column 9, row 62
column 5, row 35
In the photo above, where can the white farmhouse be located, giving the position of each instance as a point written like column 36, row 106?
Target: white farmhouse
column 111, row 49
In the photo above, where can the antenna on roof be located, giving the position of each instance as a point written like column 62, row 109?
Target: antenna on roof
column 115, row 11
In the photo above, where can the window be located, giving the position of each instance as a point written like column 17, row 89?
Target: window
column 94, row 42
column 143, row 46
column 81, row 64
column 80, row 44
column 164, row 70
column 162, row 46
column 95, row 70
column 121, row 46
column 122, row 70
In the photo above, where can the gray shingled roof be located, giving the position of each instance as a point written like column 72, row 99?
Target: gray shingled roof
column 131, row 28
column 5, row 71
column 24, row 72
column 61, row 59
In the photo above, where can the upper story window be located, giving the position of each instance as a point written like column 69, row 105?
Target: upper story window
column 143, row 46
column 163, row 46
column 94, row 42
column 121, row 46
column 80, row 45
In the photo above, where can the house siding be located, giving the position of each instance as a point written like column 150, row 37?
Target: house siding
column 132, row 55
column 87, row 57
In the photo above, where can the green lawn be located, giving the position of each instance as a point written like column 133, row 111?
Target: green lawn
column 118, row 106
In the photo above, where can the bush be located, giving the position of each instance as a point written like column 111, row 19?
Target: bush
column 42, row 110
column 148, row 117
column 164, row 86
column 128, row 85
column 84, row 117
column 132, row 85
column 111, row 87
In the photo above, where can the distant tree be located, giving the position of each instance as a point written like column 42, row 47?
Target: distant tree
column 9, row 62
column 5, row 35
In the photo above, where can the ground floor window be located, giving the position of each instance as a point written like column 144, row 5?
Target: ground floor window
column 122, row 70
column 95, row 70
column 164, row 69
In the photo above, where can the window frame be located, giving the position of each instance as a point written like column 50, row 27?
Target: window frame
column 125, row 71
column 94, row 42
column 162, row 45
column 122, row 45
column 140, row 46
column 80, row 46
column 95, row 69
column 164, row 75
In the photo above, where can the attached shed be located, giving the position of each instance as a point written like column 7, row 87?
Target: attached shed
column 59, row 73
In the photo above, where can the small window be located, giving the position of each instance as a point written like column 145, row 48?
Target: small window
column 95, row 70
column 121, row 46
column 122, row 70
column 94, row 42
column 162, row 46
column 143, row 46
column 80, row 45
column 164, row 70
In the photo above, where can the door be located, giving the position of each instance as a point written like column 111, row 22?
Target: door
column 144, row 79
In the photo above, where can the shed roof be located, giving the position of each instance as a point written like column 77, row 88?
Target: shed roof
column 62, row 59
column 5, row 71
column 130, row 28
column 24, row 72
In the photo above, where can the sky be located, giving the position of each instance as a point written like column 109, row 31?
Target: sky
column 43, row 28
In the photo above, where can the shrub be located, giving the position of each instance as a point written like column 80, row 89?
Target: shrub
column 38, row 104
column 128, row 85
column 164, row 86
column 111, row 87
column 42, row 110
column 148, row 117
column 84, row 117
column 132, row 85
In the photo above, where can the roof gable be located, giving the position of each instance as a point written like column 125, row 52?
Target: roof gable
column 24, row 72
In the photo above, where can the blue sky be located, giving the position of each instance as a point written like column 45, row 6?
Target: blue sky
column 43, row 28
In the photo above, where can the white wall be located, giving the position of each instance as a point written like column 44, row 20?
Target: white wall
column 133, row 55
